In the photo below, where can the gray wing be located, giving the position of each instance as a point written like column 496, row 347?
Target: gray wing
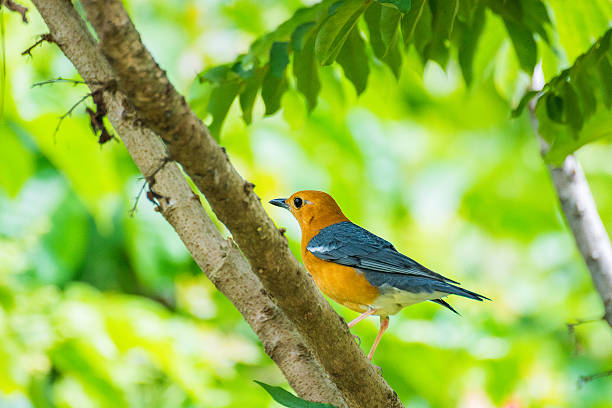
column 348, row 244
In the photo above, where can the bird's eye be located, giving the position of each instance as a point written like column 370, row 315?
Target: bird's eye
column 297, row 201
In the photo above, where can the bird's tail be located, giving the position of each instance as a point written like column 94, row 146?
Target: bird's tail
column 456, row 290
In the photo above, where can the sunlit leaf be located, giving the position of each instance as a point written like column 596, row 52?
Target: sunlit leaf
column 336, row 28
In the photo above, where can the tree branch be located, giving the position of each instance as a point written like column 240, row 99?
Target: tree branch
column 190, row 143
column 580, row 211
column 220, row 259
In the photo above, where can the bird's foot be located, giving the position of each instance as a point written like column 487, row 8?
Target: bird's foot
column 357, row 339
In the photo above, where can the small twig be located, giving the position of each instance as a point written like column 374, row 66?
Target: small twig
column 60, row 79
column 44, row 37
column 583, row 379
column 65, row 115
column 132, row 211
column 18, row 8
column 571, row 328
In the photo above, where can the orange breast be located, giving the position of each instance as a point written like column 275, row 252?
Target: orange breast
column 342, row 283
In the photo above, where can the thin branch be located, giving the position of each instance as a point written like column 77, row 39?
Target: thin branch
column 587, row 378
column 132, row 211
column 60, row 79
column 189, row 142
column 580, row 211
column 44, row 37
column 219, row 259
column 571, row 329
column 69, row 113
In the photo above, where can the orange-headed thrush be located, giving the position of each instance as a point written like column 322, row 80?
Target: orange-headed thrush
column 358, row 269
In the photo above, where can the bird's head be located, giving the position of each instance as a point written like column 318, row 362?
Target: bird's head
column 312, row 209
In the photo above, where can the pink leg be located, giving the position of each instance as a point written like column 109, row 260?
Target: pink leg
column 384, row 323
column 361, row 317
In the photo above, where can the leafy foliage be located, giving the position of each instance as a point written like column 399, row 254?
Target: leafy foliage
column 574, row 108
column 329, row 32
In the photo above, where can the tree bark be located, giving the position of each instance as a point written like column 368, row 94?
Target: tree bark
column 218, row 258
column 188, row 141
column 580, row 212
column 232, row 198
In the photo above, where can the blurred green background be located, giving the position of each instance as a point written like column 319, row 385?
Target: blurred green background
column 102, row 309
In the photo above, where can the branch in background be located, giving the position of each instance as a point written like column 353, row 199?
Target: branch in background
column 587, row 378
column 220, row 259
column 18, row 8
column 189, row 142
column 580, row 211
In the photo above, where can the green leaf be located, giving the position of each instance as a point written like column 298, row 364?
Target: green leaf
column 423, row 32
column 221, row 100
column 336, row 27
column 260, row 48
column 306, row 72
column 394, row 60
column 554, row 107
column 372, row 18
column 573, row 115
column 279, row 58
column 272, row 91
column 354, row 61
column 249, row 93
column 297, row 38
column 402, row 5
column 444, row 14
column 524, row 45
column 563, row 140
column 289, row 400
column 535, row 17
column 383, row 24
column 469, row 41
column 524, row 101
column 216, row 74
column 410, row 20
column 605, row 74
column 389, row 26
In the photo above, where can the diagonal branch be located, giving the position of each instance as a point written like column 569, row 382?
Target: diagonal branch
column 189, row 142
column 220, row 259
column 580, row 211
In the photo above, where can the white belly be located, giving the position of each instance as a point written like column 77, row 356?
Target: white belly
column 393, row 300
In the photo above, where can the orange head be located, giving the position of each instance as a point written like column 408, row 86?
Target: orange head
column 312, row 209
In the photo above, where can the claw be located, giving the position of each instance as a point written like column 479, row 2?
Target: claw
column 357, row 339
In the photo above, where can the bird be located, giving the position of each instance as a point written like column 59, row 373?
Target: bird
column 359, row 269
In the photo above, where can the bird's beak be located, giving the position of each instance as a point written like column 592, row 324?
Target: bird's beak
column 280, row 202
